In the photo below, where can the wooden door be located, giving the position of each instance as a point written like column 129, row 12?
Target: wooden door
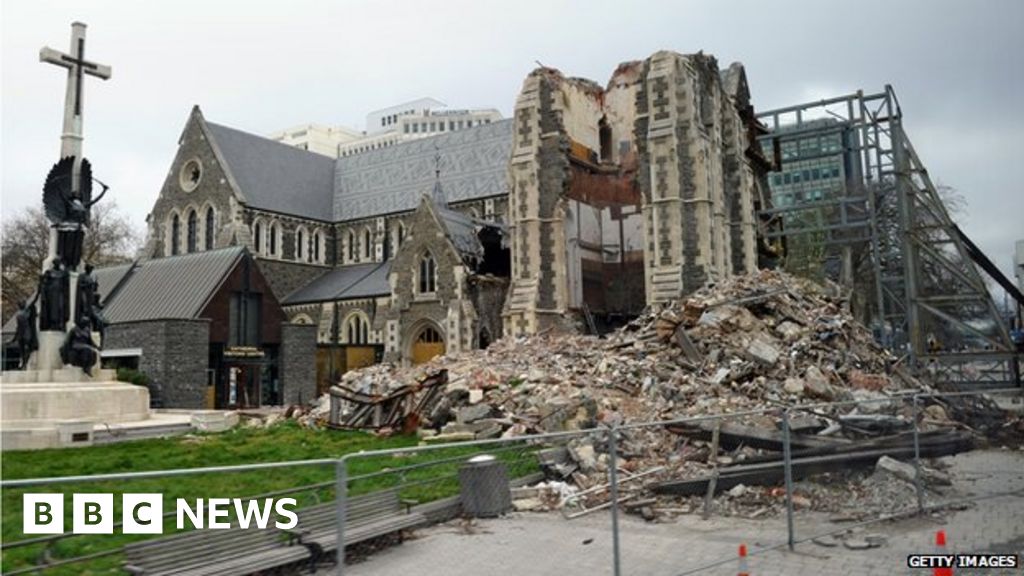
column 427, row 345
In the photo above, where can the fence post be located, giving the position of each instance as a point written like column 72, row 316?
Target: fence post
column 787, row 463
column 918, row 485
column 613, row 487
column 340, row 496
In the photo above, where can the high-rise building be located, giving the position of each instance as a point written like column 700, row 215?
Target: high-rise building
column 385, row 127
column 817, row 165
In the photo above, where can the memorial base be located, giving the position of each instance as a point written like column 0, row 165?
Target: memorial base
column 58, row 408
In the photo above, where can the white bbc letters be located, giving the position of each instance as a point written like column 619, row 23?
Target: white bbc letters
column 43, row 513
column 142, row 514
column 92, row 513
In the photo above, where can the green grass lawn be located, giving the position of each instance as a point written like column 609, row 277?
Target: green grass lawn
column 283, row 442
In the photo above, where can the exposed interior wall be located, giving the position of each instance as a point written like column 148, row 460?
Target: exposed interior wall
column 647, row 179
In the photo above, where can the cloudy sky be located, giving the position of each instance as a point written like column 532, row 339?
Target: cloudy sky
column 261, row 66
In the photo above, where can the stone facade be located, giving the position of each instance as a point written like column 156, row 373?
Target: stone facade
column 448, row 308
column 671, row 134
column 298, row 363
column 174, row 355
column 213, row 191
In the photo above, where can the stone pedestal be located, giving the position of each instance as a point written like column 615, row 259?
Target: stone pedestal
column 51, row 408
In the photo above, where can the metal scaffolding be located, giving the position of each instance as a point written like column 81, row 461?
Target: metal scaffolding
column 911, row 270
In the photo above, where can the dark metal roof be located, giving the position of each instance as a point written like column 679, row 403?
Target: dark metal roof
column 277, row 177
column 345, row 283
column 176, row 287
column 393, row 179
column 108, row 279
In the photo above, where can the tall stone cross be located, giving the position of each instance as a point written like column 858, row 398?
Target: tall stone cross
column 77, row 66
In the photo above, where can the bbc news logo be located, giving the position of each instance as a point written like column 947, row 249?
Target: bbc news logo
column 143, row 513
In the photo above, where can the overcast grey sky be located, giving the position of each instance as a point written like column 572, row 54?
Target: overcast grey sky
column 260, row 66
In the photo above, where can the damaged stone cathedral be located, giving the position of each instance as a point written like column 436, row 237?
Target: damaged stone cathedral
column 575, row 214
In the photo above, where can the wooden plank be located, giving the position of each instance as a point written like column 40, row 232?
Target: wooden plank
column 713, row 460
column 687, row 346
column 771, row 473
column 735, row 435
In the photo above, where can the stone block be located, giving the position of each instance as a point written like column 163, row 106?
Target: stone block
column 214, row 420
column 762, row 351
column 72, row 433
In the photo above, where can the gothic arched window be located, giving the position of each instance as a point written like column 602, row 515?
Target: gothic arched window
column 272, row 239
column 367, row 244
column 209, row 229
column 316, row 246
column 351, row 246
column 428, row 274
column 193, row 231
column 175, row 235
column 257, row 237
column 300, row 240
column 358, row 329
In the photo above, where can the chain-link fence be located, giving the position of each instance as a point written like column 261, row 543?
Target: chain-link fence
column 847, row 485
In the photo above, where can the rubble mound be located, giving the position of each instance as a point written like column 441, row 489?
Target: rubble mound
column 746, row 346
column 746, row 343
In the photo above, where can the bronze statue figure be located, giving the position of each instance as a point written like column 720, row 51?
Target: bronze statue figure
column 26, row 336
column 53, row 291
column 87, row 286
column 78, row 349
column 98, row 320
column 68, row 209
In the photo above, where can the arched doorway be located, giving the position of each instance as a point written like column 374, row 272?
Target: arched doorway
column 426, row 344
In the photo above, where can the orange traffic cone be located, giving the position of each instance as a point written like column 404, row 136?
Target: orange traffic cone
column 940, row 548
column 744, row 568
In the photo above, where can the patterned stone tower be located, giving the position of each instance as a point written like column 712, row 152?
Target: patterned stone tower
column 671, row 136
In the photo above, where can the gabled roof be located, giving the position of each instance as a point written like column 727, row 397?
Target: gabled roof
column 393, row 179
column 176, row 287
column 274, row 176
column 345, row 283
column 110, row 278
column 462, row 231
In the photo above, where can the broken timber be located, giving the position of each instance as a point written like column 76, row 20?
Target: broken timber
column 735, row 435
column 398, row 409
column 854, row 455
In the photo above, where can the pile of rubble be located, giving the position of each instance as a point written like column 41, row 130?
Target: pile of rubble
column 747, row 346
column 752, row 342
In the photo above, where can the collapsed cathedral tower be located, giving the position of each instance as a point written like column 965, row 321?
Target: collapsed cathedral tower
column 632, row 194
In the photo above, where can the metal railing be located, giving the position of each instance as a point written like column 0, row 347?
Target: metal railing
column 430, row 473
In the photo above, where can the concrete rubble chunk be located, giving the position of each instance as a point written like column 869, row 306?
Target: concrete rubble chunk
column 816, row 385
column 762, row 351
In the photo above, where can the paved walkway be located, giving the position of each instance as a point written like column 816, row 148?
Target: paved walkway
column 546, row 544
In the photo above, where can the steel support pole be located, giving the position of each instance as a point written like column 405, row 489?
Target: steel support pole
column 340, row 497
column 918, row 484
column 613, row 482
column 787, row 462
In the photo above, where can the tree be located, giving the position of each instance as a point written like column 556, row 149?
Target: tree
column 110, row 240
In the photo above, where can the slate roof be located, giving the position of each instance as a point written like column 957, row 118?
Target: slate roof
column 347, row 282
column 462, row 231
column 474, row 163
column 277, row 177
column 176, row 287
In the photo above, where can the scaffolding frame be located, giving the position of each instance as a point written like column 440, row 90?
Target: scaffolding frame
column 890, row 213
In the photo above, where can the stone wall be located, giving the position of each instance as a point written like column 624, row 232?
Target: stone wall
column 286, row 277
column 213, row 191
column 175, row 356
column 669, row 118
column 298, row 363
column 448, row 309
